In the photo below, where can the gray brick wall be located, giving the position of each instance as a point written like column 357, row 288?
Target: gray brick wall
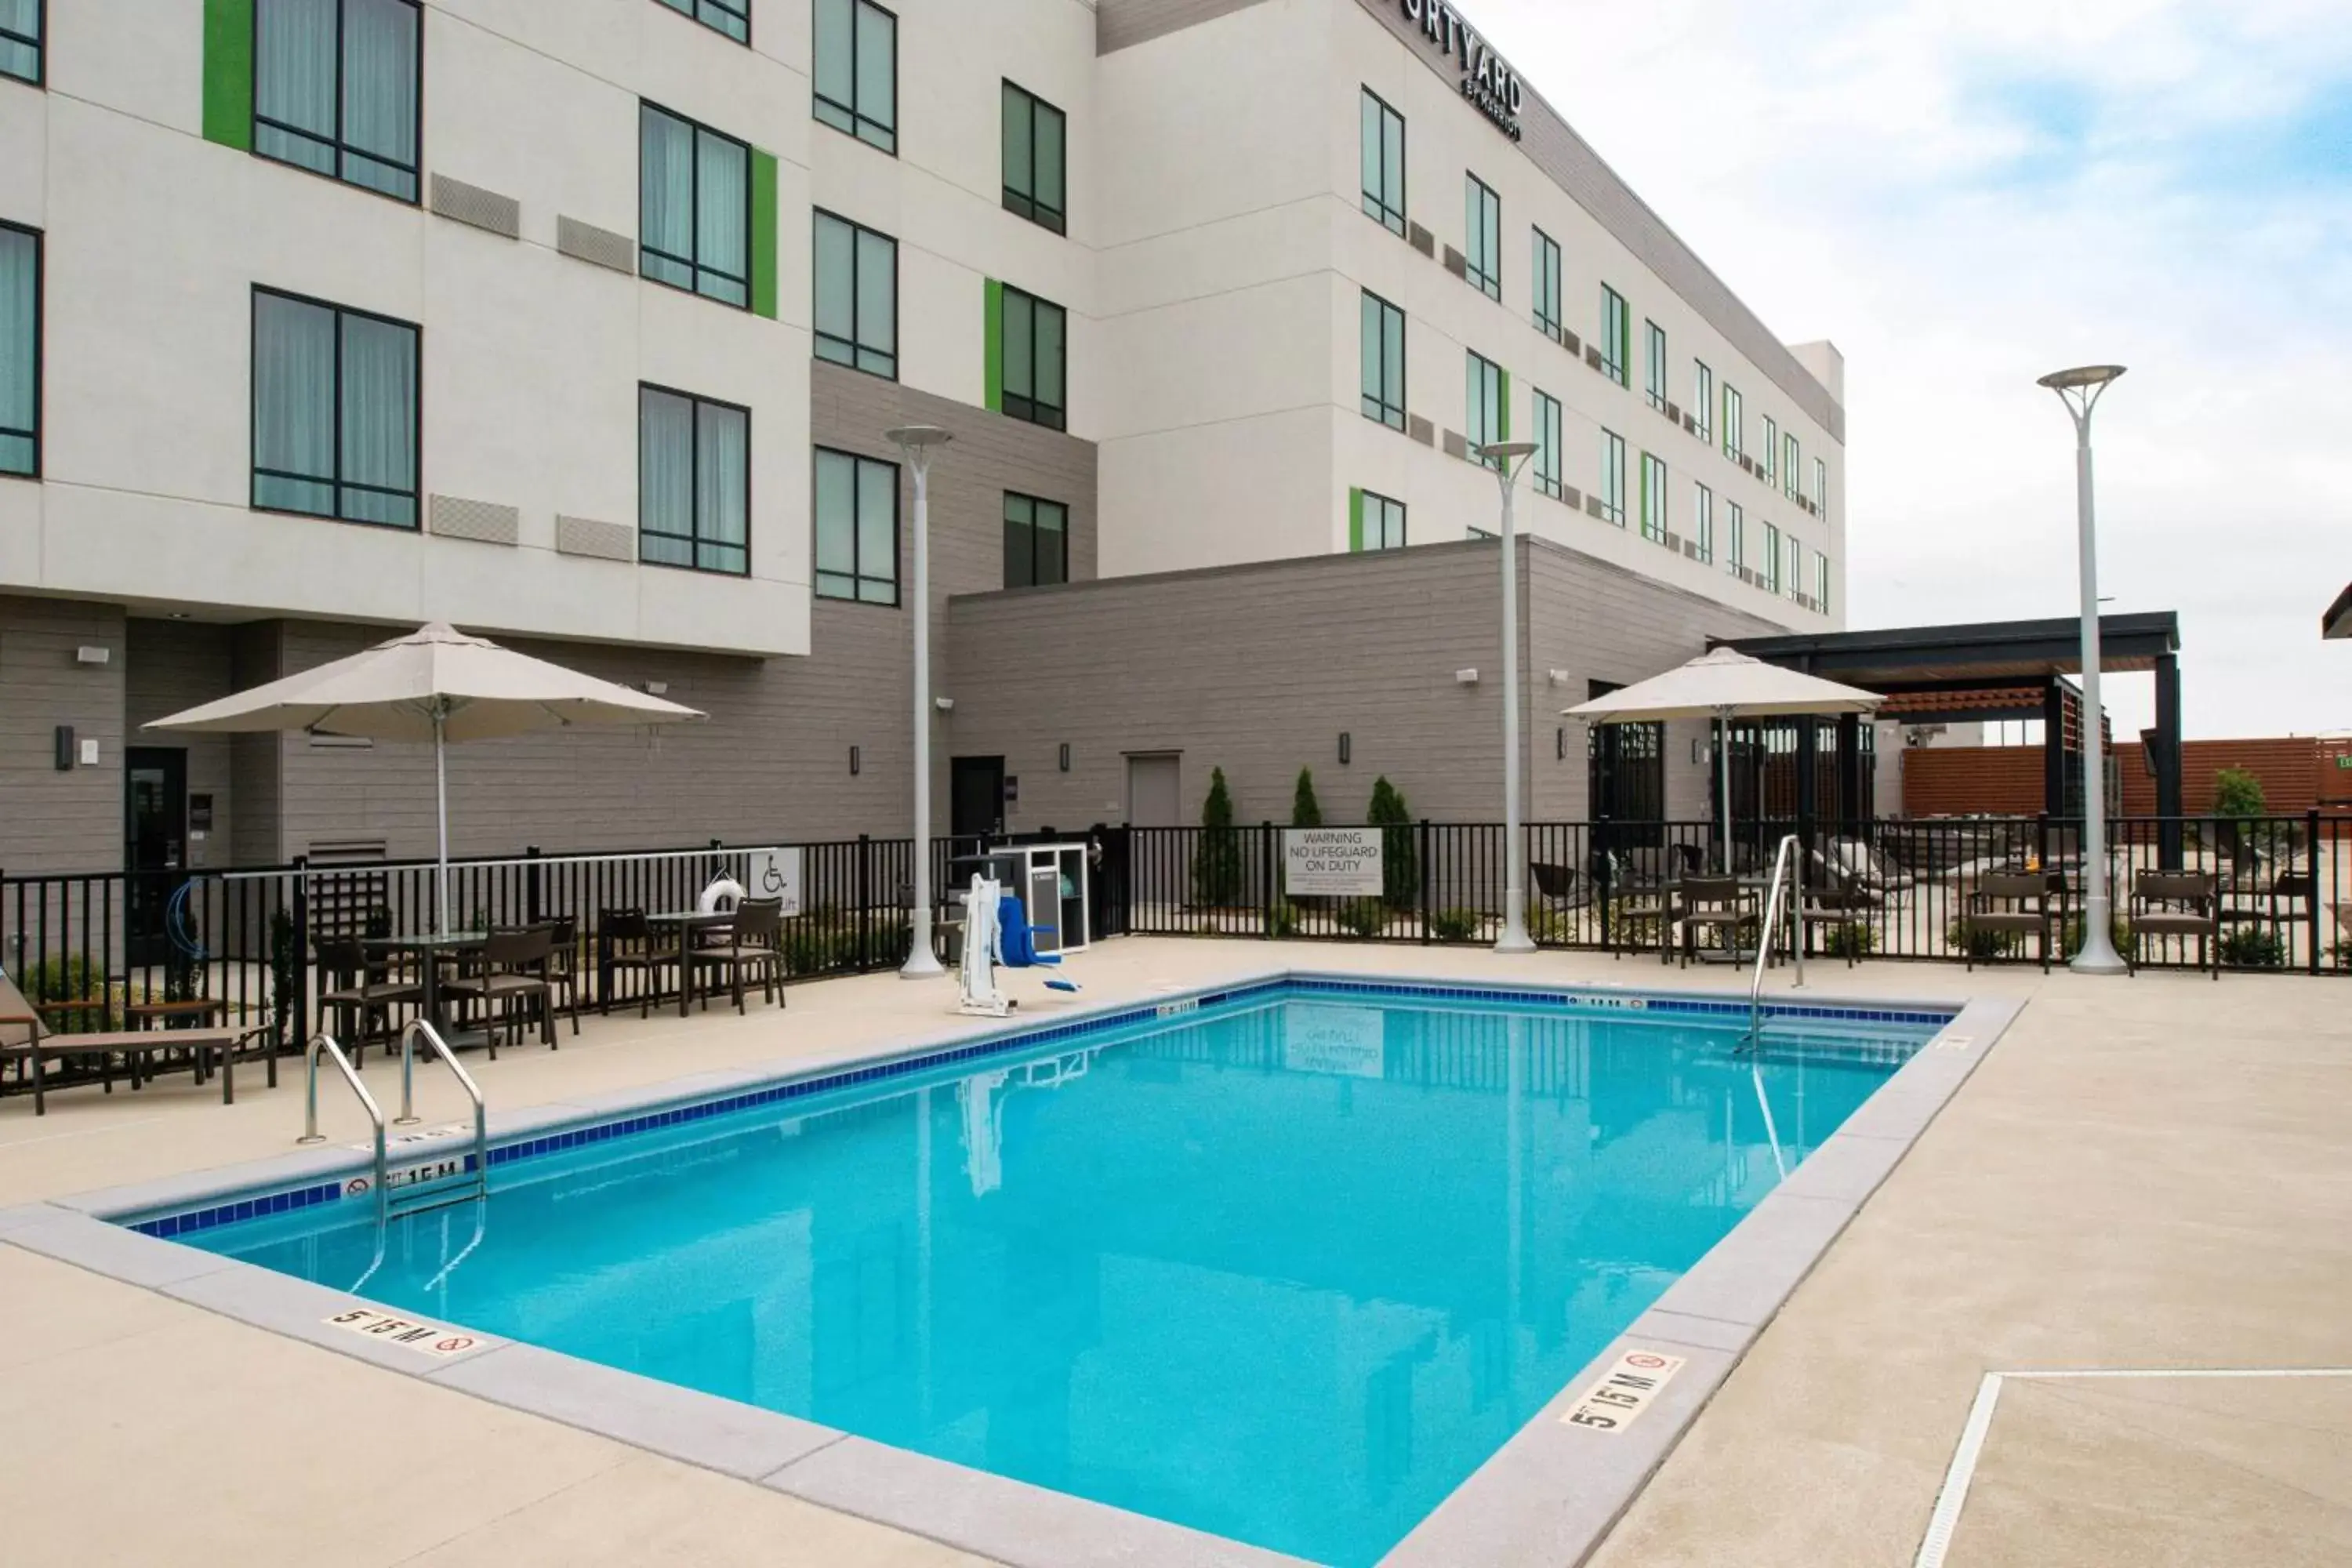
column 54, row 821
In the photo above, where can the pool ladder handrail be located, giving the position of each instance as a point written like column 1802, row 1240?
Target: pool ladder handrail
column 1783, row 858
column 418, row 1029
column 325, row 1043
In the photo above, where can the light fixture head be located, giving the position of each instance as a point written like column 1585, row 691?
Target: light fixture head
column 1466, row 676
column 944, row 704
column 2081, row 377
column 657, row 687
column 918, row 436
column 1507, row 451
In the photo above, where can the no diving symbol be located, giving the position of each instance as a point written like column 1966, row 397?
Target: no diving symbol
column 452, row 1344
column 1643, row 1359
column 355, row 1187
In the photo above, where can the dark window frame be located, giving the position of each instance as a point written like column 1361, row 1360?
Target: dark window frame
column 413, row 169
column 819, row 336
column 692, row 10
column 857, row 574
column 1025, row 203
column 1051, row 417
column 1373, row 498
column 1550, row 433
column 693, row 541
column 1375, row 204
column 1488, row 279
column 1657, row 364
column 694, row 264
column 857, row 118
column 1616, row 336
column 40, row 346
column 1494, row 419
column 1374, row 405
column 37, row 43
column 1546, row 285
column 254, row 470
column 1062, row 566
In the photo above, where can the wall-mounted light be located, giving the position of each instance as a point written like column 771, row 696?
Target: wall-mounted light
column 1698, row 750
column 1557, row 677
column 1346, row 747
column 1466, row 676
column 1560, row 743
column 93, row 653
column 657, row 687
column 855, row 761
column 1065, row 756
column 65, row 748
column 944, row 704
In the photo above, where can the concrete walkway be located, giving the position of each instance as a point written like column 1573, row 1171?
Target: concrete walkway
column 2152, row 1173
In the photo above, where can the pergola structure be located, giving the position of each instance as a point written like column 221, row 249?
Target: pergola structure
column 2338, row 621
column 1989, row 670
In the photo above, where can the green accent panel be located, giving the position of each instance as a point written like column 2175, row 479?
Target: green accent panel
column 995, row 346
column 228, row 73
column 1503, row 417
column 1355, row 520
column 763, row 233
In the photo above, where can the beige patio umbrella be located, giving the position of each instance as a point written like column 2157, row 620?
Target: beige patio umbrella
column 433, row 684
column 1723, row 684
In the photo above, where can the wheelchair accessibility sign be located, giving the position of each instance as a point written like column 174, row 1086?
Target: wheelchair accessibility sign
column 774, row 874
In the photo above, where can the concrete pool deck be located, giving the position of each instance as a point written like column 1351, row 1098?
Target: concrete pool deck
column 2151, row 1173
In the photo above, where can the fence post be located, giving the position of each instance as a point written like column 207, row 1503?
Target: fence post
column 865, row 902
column 1267, row 897
column 2311, row 865
column 1425, row 873
column 531, row 898
column 301, row 1005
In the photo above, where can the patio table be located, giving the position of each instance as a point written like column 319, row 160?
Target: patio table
column 432, row 948
column 688, row 924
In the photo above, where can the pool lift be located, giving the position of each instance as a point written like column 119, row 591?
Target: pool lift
column 997, row 935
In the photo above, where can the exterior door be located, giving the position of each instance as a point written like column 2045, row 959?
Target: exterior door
column 1158, row 852
column 976, row 796
column 155, row 845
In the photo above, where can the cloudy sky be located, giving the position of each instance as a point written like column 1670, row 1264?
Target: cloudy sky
column 1963, row 196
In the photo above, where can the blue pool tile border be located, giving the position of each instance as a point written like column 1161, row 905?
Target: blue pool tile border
column 1570, row 998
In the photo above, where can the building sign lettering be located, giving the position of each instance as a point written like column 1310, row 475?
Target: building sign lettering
column 1487, row 81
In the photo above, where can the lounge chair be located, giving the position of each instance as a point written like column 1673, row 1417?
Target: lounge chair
column 25, row 1036
column 2177, row 903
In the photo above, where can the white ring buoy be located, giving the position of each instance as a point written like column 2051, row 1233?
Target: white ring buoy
column 724, row 893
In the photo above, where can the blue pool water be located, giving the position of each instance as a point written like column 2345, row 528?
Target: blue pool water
column 1288, row 1268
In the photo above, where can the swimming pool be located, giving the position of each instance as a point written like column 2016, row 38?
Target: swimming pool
column 1285, row 1267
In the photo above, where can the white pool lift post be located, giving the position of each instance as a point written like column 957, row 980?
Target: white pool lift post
column 982, row 948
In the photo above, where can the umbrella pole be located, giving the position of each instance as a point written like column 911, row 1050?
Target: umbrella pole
column 441, row 813
column 1723, row 767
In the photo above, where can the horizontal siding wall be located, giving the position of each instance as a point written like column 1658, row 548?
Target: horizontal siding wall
column 52, row 820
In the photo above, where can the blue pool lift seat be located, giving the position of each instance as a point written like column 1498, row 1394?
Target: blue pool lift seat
column 1017, row 942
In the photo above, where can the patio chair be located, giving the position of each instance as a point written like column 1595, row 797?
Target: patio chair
column 755, row 941
column 2018, row 903
column 1635, row 901
column 25, row 1036
column 361, row 992
column 1711, row 903
column 625, row 945
column 2177, row 903
column 514, row 980
column 563, row 963
column 1842, row 904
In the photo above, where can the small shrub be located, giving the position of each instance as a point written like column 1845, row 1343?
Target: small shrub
column 285, row 971
column 1361, row 917
column 1304, row 810
column 1979, row 943
column 1399, row 845
column 2253, row 947
column 1217, row 862
column 69, row 979
column 2238, row 794
column 1454, row 925
column 2070, row 935
column 1550, row 926
column 1282, row 919
column 1851, row 939
column 1634, row 923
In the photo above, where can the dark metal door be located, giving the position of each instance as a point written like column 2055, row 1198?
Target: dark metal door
column 976, row 796
column 155, row 845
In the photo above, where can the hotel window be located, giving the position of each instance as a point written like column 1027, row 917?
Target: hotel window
column 20, row 42
column 1036, row 360
column 856, row 528
column 732, row 17
column 1612, row 478
column 694, row 207
column 1377, row 523
column 1703, row 523
column 1771, row 455
column 1616, row 336
column 1771, row 558
column 856, row 297
column 1794, row 578
column 1482, row 237
column 334, row 89
column 1036, row 159
column 694, row 482
column 1791, row 485
column 1734, row 418
column 857, row 70
column 1548, row 477
column 1488, row 417
column 1654, row 381
column 1822, row 582
column 1821, row 489
column 1654, row 498
column 1383, row 367
column 1036, row 541
column 1735, row 535
column 1702, row 404
column 334, row 412
column 20, row 351
column 1546, row 285
column 1384, row 160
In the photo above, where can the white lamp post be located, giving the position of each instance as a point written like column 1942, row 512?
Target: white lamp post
column 915, row 442
column 2079, row 390
column 1508, row 458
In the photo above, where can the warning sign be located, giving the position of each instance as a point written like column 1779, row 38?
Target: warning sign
column 1624, row 1391
column 426, row 1338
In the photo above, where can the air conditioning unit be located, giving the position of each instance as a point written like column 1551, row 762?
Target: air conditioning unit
column 1592, row 358
column 1690, row 548
column 1422, row 239
column 1570, row 342
column 1570, row 494
column 1592, row 505
column 1456, row 263
column 1674, row 411
column 1671, row 540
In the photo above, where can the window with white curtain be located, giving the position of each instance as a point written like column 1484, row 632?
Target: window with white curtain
column 1703, row 523
column 1546, row 465
column 1383, row 156
column 1384, row 525
column 732, row 17
column 1036, row 159
column 856, row 297
column 1735, row 422
column 694, row 207
column 1487, row 417
column 1482, row 240
column 1547, row 284
column 1616, row 336
column 335, row 89
column 856, row 528
column 334, row 411
column 1821, row 489
column 1612, row 478
column 1654, row 498
column 1821, row 584
column 694, row 481
column 1654, row 381
column 20, row 40
column 1382, row 353
column 857, row 70
column 1702, row 403
column 20, row 351
column 1735, row 535
column 1771, row 558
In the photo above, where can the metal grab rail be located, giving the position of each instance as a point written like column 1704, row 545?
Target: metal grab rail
column 1781, row 862
column 310, row 1133
column 419, row 1029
